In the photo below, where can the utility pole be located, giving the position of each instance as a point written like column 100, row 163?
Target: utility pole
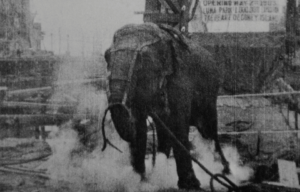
column 82, row 46
column 6, row 23
column 51, row 41
column 68, row 44
column 93, row 52
column 59, row 46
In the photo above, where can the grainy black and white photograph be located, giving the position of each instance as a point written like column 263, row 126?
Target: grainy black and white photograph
column 149, row 95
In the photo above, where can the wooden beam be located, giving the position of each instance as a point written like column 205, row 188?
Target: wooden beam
column 260, row 94
column 151, row 6
column 171, row 5
column 184, row 15
column 275, row 186
column 28, row 92
column 32, row 120
column 80, row 81
column 257, row 132
column 162, row 18
column 33, row 105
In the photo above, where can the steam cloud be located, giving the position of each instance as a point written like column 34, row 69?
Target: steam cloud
column 111, row 170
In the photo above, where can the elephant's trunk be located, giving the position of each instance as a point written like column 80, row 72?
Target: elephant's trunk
column 118, row 86
column 119, row 112
column 122, row 121
column 117, row 91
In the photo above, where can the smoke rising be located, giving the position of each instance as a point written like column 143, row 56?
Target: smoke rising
column 73, row 167
column 111, row 170
column 205, row 152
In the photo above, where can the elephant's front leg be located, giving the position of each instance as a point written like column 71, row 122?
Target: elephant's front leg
column 179, row 124
column 164, row 142
column 186, row 175
column 138, row 145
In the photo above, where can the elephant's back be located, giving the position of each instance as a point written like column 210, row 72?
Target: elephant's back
column 203, row 70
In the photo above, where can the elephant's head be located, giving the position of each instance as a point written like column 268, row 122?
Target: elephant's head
column 138, row 62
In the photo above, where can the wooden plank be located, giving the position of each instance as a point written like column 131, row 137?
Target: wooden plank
column 152, row 6
column 162, row 18
column 170, row 4
column 32, row 120
column 281, row 187
column 80, row 81
column 184, row 16
column 260, row 94
column 31, row 173
column 287, row 173
column 13, row 104
column 28, row 92
column 256, row 132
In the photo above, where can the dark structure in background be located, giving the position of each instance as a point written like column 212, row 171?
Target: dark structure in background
column 22, row 62
column 23, row 65
column 249, row 61
column 19, row 34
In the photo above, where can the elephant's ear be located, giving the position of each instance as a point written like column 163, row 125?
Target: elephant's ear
column 107, row 58
column 178, row 55
column 168, row 60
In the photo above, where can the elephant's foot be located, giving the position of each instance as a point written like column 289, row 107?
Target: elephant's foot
column 189, row 183
column 144, row 178
column 226, row 169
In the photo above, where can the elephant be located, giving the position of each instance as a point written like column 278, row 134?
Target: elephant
column 154, row 68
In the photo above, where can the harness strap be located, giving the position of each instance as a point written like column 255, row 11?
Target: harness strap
column 130, row 73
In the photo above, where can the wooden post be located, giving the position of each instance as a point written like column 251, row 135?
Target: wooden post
column 36, row 132
column 288, row 115
column 184, row 15
column 43, row 112
column 17, row 127
column 296, row 119
column 3, row 93
column 173, row 7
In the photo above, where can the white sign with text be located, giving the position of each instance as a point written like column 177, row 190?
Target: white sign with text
column 239, row 16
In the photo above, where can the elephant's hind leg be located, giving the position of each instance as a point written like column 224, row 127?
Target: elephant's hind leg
column 210, row 131
column 226, row 169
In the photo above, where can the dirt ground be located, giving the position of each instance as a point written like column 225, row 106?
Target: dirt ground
column 255, row 148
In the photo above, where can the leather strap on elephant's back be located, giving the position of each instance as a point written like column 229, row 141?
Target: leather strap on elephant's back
column 131, row 68
column 136, row 37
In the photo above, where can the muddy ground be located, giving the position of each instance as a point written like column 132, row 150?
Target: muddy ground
column 258, row 150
